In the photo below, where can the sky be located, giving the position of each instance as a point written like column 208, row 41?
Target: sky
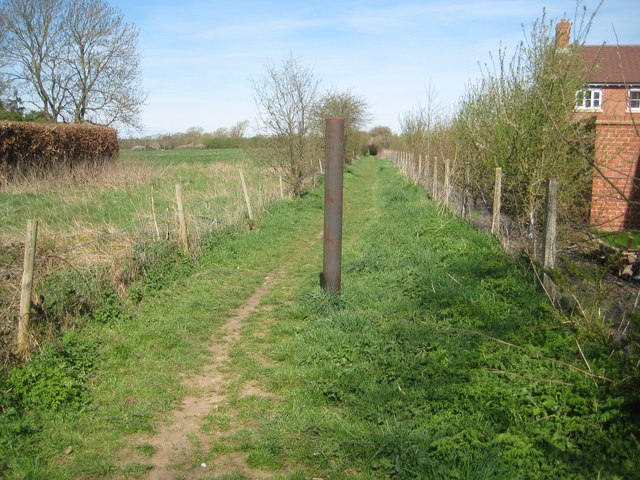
column 199, row 56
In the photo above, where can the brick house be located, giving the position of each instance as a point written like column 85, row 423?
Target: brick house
column 612, row 96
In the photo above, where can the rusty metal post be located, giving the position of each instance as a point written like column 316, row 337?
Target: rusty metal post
column 334, row 166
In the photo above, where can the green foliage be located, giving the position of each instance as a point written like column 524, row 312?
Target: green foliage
column 520, row 116
column 53, row 380
column 111, row 309
column 155, row 266
column 381, row 138
column 223, row 142
column 65, row 296
column 442, row 359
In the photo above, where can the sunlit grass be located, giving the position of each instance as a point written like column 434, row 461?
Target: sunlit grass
column 116, row 198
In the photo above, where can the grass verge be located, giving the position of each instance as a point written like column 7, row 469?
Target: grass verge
column 441, row 359
column 97, row 227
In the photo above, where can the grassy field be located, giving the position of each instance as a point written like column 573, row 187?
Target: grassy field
column 442, row 358
column 117, row 197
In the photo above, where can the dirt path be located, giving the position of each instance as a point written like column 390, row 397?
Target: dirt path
column 180, row 441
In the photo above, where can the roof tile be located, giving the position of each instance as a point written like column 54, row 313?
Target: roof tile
column 612, row 64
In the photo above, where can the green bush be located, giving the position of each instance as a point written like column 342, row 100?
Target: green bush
column 67, row 295
column 111, row 309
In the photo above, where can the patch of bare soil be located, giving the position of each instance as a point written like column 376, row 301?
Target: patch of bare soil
column 179, row 442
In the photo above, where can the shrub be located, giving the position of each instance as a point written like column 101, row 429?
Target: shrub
column 28, row 146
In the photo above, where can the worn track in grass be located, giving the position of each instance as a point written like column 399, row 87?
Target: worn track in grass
column 180, row 440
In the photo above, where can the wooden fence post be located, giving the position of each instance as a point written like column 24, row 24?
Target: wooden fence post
column 27, row 286
column 550, row 218
column 434, row 185
column 182, row 223
column 153, row 213
column 447, row 181
column 281, row 188
column 246, row 196
column 465, row 190
column 497, row 203
column 427, row 172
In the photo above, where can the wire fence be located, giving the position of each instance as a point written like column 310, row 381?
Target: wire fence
column 597, row 278
column 85, row 250
column 449, row 184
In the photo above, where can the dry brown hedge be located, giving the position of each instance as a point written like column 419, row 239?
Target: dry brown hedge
column 28, row 147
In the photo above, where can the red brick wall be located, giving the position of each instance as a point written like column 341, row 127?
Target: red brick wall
column 614, row 104
column 617, row 152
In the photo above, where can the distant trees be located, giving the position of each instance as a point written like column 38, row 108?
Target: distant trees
column 354, row 110
column 286, row 96
column 12, row 107
column 422, row 129
column 223, row 137
column 380, row 138
column 75, row 60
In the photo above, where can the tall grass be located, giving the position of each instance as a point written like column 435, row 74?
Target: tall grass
column 117, row 196
column 440, row 359
column 121, row 372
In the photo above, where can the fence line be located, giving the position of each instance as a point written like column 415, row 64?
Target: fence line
column 189, row 224
column 448, row 184
column 481, row 208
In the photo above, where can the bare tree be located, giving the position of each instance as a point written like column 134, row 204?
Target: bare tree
column 239, row 129
column 286, row 97
column 31, row 49
column 354, row 111
column 420, row 125
column 103, row 59
column 76, row 60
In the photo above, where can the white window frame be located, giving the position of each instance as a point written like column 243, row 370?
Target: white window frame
column 637, row 107
column 586, row 102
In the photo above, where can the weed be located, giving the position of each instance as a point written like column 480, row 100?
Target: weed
column 54, row 380
column 154, row 266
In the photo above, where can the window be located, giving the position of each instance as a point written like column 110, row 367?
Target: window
column 634, row 99
column 589, row 99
